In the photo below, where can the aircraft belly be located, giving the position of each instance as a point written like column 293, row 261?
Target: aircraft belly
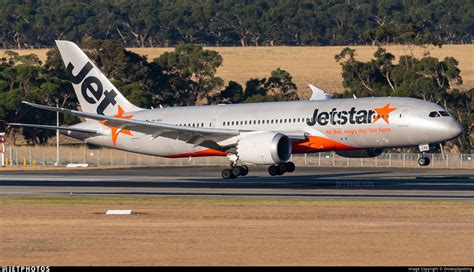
column 162, row 146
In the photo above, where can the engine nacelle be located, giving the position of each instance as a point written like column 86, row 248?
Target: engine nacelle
column 361, row 153
column 264, row 148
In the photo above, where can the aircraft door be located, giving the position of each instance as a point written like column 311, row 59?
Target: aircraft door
column 403, row 117
column 213, row 123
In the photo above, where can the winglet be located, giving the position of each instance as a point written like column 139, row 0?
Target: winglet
column 318, row 94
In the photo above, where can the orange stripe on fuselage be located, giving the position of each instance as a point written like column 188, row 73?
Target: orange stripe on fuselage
column 316, row 144
column 311, row 144
column 201, row 153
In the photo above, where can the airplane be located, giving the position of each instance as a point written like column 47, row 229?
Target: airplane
column 250, row 133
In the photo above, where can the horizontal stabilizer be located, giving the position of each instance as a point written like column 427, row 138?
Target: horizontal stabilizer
column 55, row 127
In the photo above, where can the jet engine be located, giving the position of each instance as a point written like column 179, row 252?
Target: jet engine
column 264, row 148
column 360, row 153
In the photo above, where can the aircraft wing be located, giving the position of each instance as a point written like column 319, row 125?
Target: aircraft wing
column 207, row 137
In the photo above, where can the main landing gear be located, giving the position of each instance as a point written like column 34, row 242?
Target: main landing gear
column 235, row 171
column 281, row 168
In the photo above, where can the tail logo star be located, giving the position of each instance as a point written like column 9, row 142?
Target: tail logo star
column 116, row 131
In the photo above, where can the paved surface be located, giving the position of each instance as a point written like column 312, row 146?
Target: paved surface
column 416, row 183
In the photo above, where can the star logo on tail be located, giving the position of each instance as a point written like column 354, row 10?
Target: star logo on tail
column 116, row 131
column 382, row 113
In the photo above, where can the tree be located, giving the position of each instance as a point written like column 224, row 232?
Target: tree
column 233, row 93
column 278, row 87
column 233, row 23
column 280, row 84
column 25, row 80
column 191, row 73
column 461, row 104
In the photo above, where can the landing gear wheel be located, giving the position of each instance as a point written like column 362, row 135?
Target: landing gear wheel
column 273, row 170
column 282, row 168
column 244, row 170
column 290, row 167
column 236, row 170
column 227, row 174
column 423, row 161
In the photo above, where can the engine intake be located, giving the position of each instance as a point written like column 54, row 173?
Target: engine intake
column 264, row 148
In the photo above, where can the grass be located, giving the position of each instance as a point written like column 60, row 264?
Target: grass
column 119, row 200
column 310, row 64
column 234, row 231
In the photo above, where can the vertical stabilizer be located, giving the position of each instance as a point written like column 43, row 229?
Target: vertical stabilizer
column 94, row 91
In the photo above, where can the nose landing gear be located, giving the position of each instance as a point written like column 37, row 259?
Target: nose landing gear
column 281, row 168
column 424, row 161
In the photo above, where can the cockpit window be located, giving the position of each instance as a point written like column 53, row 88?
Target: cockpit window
column 434, row 114
column 444, row 113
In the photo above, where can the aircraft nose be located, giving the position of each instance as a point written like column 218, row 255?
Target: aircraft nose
column 454, row 129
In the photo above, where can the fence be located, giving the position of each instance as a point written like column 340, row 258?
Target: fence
column 46, row 155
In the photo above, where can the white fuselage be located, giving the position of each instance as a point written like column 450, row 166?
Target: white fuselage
column 336, row 124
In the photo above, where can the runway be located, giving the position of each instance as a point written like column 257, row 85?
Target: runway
column 305, row 182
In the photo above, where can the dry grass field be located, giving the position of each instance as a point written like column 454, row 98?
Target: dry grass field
column 306, row 64
column 192, row 231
